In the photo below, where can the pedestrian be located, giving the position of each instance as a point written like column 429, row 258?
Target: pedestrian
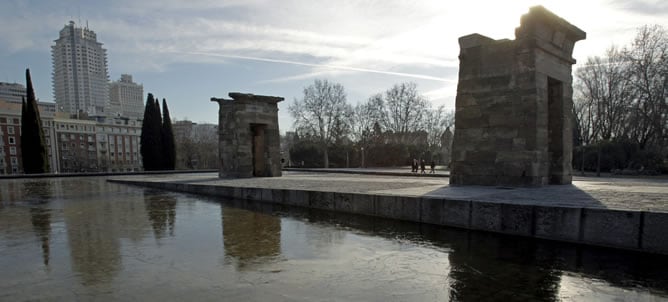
column 433, row 165
column 422, row 164
column 414, row 166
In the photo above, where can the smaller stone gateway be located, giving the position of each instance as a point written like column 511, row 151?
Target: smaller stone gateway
column 249, row 140
column 514, row 106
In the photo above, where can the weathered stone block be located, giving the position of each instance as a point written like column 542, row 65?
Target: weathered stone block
column 238, row 193
column 206, row 190
column 402, row 208
column 481, row 156
column 343, row 202
column 297, row 198
column 321, row 200
column 611, row 227
column 432, row 210
column 655, row 232
column 467, row 100
column 279, row 196
column 267, row 195
column 363, row 204
column 486, row 216
column 252, row 194
column 446, row 212
column 517, row 219
column 557, row 223
column 225, row 191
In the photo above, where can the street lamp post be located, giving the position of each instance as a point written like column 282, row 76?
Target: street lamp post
column 362, row 157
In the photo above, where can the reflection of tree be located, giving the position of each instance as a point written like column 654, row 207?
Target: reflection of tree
column 161, row 211
column 39, row 193
column 250, row 237
column 93, row 239
column 41, row 223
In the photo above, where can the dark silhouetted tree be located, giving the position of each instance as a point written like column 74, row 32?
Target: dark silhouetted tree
column 151, row 137
column 157, row 124
column 33, row 148
column 168, row 145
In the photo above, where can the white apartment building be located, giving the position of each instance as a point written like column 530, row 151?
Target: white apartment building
column 126, row 98
column 12, row 92
column 80, row 74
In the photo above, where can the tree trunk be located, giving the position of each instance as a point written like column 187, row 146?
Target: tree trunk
column 325, row 156
column 598, row 160
column 582, row 163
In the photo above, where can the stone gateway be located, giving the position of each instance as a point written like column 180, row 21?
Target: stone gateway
column 514, row 105
column 249, row 140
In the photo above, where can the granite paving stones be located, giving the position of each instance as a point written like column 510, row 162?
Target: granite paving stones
column 587, row 192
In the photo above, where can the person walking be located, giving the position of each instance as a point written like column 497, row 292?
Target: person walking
column 422, row 164
column 414, row 166
column 433, row 165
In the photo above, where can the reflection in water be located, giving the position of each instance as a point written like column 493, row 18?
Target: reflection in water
column 485, row 266
column 41, row 223
column 513, row 272
column 93, row 240
column 250, row 237
column 97, row 242
column 38, row 194
column 161, row 211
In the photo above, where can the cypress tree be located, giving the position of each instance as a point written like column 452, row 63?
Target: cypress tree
column 157, row 128
column 33, row 147
column 168, row 145
column 150, row 136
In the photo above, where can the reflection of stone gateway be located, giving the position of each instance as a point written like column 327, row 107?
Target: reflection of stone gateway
column 249, row 141
column 513, row 107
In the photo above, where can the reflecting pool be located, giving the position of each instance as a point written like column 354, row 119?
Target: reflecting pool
column 85, row 239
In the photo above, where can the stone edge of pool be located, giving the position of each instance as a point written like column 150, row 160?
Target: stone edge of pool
column 644, row 231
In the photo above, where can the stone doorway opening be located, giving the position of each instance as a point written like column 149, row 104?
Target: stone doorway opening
column 555, row 107
column 259, row 149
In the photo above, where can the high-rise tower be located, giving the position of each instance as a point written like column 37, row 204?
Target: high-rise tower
column 80, row 75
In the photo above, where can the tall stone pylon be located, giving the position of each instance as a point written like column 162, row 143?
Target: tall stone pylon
column 513, row 115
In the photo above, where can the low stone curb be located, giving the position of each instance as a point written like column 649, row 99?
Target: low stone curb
column 624, row 229
column 364, row 172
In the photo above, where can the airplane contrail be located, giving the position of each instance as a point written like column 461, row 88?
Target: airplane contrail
column 341, row 67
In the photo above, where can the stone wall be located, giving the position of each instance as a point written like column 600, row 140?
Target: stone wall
column 249, row 139
column 513, row 106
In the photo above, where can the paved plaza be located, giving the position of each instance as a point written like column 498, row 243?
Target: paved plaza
column 636, row 194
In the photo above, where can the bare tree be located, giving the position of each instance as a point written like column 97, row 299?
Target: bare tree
column 404, row 108
column 648, row 62
column 435, row 122
column 604, row 89
column 205, row 140
column 322, row 112
column 364, row 116
column 624, row 95
column 196, row 145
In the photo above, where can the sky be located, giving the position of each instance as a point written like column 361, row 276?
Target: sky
column 190, row 51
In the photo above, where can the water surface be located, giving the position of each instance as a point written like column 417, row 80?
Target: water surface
column 86, row 239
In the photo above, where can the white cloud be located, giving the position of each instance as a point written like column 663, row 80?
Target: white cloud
column 404, row 39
